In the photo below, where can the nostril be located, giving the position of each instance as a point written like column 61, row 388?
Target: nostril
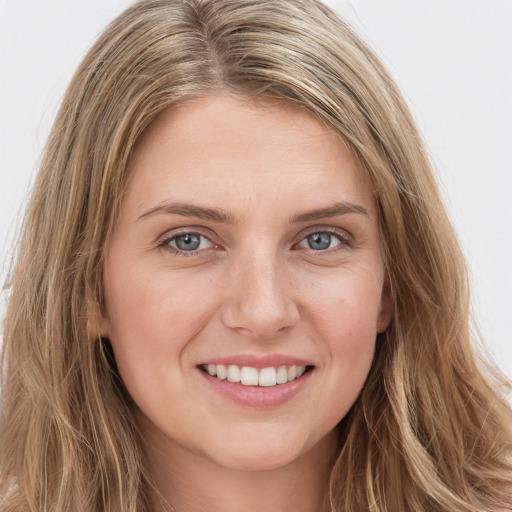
column 259, row 323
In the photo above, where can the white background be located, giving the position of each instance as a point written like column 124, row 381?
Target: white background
column 452, row 59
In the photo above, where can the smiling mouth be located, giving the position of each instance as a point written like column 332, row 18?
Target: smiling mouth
column 251, row 376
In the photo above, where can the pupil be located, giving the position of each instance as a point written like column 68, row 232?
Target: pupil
column 319, row 241
column 188, row 242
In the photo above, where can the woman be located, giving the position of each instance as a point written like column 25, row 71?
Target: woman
column 237, row 287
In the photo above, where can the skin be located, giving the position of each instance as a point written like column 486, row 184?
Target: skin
column 255, row 287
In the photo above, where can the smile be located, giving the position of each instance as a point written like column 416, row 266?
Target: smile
column 251, row 376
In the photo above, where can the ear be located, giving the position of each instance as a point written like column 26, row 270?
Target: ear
column 387, row 307
column 98, row 324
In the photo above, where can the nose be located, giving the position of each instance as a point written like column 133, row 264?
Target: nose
column 261, row 303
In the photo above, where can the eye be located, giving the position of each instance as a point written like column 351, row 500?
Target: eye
column 323, row 240
column 187, row 243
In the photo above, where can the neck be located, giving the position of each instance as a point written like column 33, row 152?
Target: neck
column 191, row 482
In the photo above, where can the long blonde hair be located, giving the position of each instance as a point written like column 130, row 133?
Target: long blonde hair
column 429, row 431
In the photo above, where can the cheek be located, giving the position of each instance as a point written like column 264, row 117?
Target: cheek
column 152, row 307
column 152, row 318
column 346, row 302
column 343, row 313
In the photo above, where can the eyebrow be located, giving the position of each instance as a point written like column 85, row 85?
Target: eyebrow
column 340, row 208
column 190, row 210
column 226, row 217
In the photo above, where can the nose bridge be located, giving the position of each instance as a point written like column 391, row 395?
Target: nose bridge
column 261, row 300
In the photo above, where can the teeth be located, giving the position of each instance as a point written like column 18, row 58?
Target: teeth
column 282, row 375
column 268, row 377
column 222, row 372
column 233, row 373
column 249, row 376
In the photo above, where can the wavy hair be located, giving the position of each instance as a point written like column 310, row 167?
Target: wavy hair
column 430, row 431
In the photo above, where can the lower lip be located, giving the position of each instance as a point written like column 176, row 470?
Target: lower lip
column 258, row 397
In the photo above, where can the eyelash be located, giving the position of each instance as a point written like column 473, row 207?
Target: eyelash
column 345, row 241
column 165, row 244
column 344, row 238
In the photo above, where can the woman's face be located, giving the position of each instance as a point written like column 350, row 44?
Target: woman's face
column 247, row 248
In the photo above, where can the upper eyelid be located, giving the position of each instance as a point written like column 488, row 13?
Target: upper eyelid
column 192, row 230
column 177, row 235
column 165, row 243
column 342, row 233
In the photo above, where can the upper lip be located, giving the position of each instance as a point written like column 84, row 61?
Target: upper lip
column 258, row 361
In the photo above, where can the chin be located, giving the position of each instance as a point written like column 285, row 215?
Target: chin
column 255, row 460
column 269, row 452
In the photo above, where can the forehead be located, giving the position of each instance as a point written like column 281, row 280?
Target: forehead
column 219, row 148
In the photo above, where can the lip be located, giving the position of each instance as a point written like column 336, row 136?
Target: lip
column 258, row 361
column 257, row 397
